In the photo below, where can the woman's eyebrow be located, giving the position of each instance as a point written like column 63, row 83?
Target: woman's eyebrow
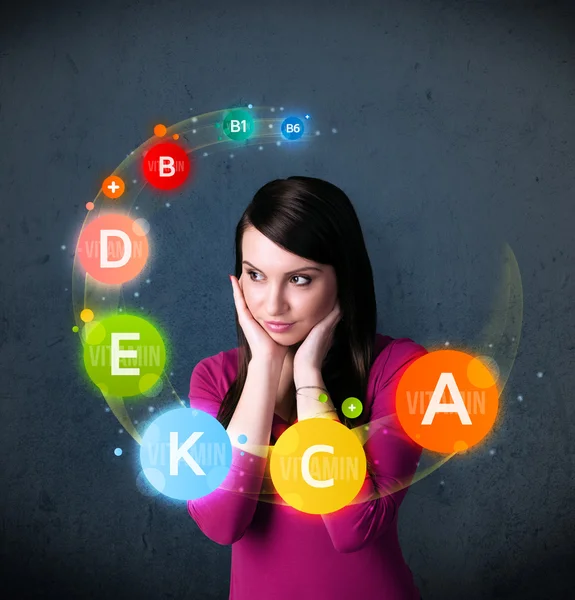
column 245, row 262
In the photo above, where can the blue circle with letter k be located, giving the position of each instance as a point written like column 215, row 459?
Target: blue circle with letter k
column 185, row 454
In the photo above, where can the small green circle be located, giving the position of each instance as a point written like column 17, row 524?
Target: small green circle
column 351, row 407
column 75, row 329
column 238, row 125
column 322, row 397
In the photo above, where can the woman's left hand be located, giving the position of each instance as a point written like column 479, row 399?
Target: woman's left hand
column 313, row 350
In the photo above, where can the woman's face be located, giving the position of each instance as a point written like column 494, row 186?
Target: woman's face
column 278, row 287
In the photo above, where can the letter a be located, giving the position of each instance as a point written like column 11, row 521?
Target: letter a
column 436, row 406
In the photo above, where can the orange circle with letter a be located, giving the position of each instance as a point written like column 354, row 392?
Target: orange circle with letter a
column 447, row 401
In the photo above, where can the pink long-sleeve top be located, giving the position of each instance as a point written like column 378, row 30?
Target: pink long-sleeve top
column 280, row 553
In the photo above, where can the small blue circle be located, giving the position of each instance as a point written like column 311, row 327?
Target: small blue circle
column 185, row 454
column 242, row 439
column 292, row 128
column 118, row 451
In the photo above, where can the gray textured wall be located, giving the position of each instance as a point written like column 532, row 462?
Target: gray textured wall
column 456, row 133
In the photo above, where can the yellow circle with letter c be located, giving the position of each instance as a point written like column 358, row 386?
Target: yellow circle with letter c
column 318, row 466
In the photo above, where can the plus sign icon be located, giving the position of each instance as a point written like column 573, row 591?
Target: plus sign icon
column 166, row 166
column 113, row 186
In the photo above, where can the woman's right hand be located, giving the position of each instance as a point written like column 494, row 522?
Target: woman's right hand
column 261, row 344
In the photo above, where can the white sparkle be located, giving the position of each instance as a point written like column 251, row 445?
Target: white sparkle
column 513, row 339
column 174, row 392
column 171, row 373
column 103, row 297
column 250, row 105
column 107, row 409
column 168, row 205
column 492, row 451
column 442, row 482
column 447, row 343
column 193, row 131
column 148, row 281
column 141, row 308
column 278, row 143
column 491, row 345
column 231, row 155
column 271, row 126
column 63, row 247
column 520, row 398
column 194, row 119
column 65, row 289
column 120, row 431
column 281, row 107
column 136, row 294
column 317, row 132
column 119, row 310
column 334, row 130
column 151, row 409
column 134, row 181
column 205, row 153
column 136, row 422
column 137, row 208
column 261, row 148
column 539, row 374
column 307, row 116
column 273, row 109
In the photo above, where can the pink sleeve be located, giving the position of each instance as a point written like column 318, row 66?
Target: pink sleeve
column 224, row 514
column 394, row 457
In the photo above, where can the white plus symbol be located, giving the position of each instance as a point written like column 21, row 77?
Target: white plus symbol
column 352, row 407
column 113, row 186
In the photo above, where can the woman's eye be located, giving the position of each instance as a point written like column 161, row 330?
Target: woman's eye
column 299, row 277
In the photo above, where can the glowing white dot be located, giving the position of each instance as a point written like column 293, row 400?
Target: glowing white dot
column 137, row 208
column 520, row 398
column 261, row 148
column 151, row 409
column 168, row 205
column 539, row 374
column 273, row 109
column 134, row 181
column 171, row 373
column 317, row 132
column 513, row 339
column 278, row 143
column 103, row 297
column 120, row 431
column 107, row 409
column 118, row 451
column 63, row 247
column 65, row 289
column 136, row 294
column 174, row 392
column 447, row 343
column 119, row 310
column 136, row 422
column 281, row 107
column 492, row 451
column 141, row 308
column 205, row 153
column 334, row 130
column 491, row 345
column 250, row 105
column 193, row 131
column 194, row 119
column 307, row 117
column 271, row 126
column 148, row 280
column 231, row 155
column 442, row 482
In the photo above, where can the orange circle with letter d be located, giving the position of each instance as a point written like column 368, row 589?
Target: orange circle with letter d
column 447, row 401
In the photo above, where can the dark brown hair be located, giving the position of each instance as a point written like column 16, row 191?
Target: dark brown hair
column 315, row 219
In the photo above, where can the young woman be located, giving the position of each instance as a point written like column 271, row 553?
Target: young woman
column 301, row 260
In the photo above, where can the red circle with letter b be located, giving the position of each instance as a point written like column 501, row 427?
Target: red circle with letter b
column 166, row 166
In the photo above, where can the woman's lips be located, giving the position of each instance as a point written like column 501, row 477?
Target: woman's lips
column 277, row 328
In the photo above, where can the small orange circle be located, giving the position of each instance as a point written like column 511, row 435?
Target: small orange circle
column 113, row 186
column 90, row 205
column 160, row 130
column 176, row 136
